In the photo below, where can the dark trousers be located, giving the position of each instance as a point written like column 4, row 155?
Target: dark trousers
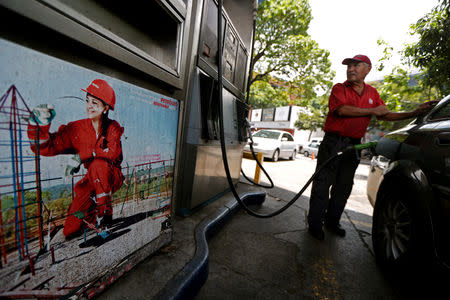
column 327, row 205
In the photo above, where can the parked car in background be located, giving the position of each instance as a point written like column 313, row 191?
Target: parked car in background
column 316, row 140
column 274, row 144
column 312, row 148
column 409, row 187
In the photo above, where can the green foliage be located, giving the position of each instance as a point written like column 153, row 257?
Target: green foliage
column 284, row 49
column 387, row 53
column 402, row 92
column 432, row 52
column 59, row 206
column 7, row 202
column 316, row 117
column 264, row 95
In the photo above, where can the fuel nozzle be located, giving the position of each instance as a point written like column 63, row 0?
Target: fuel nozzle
column 365, row 145
column 362, row 146
column 249, row 130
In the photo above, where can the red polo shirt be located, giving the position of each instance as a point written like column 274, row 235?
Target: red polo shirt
column 344, row 94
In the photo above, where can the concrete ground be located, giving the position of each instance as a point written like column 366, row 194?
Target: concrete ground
column 275, row 258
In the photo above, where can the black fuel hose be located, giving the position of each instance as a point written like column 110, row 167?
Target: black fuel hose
column 249, row 78
column 222, row 133
column 257, row 162
column 222, row 136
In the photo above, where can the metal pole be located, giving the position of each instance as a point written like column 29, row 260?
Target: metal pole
column 22, row 188
column 2, row 233
column 17, row 192
column 260, row 158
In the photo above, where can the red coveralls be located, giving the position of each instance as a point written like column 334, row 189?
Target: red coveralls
column 101, row 156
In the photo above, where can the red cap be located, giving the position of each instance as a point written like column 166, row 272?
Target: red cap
column 103, row 91
column 358, row 57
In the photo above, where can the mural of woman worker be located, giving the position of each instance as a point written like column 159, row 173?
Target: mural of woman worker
column 96, row 143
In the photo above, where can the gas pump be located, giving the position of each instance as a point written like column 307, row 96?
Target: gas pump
column 162, row 61
column 202, row 178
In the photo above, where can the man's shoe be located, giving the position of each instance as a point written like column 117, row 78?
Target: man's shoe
column 317, row 233
column 336, row 229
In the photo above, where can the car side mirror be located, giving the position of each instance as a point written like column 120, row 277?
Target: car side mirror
column 284, row 139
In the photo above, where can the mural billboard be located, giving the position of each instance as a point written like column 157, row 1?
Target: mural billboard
column 86, row 172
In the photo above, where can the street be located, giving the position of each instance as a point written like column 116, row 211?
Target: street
column 275, row 258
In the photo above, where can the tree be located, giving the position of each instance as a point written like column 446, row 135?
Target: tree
column 314, row 118
column 264, row 95
column 402, row 91
column 284, row 49
column 432, row 52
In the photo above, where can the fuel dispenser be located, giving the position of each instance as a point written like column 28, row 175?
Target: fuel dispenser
column 161, row 60
column 202, row 177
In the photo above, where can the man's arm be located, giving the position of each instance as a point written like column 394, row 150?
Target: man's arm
column 382, row 113
column 353, row 111
column 398, row 116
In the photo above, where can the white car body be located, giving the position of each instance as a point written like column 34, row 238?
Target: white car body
column 310, row 149
column 274, row 144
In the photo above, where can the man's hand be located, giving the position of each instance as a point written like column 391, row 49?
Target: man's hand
column 380, row 111
column 43, row 114
column 425, row 107
column 398, row 116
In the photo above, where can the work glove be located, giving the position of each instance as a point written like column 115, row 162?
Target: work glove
column 43, row 114
column 73, row 165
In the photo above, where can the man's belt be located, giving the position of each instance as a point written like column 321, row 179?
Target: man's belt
column 346, row 139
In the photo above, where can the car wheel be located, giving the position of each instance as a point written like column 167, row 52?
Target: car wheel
column 294, row 153
column 306, row 153
column 276, row 155
column 399, row 234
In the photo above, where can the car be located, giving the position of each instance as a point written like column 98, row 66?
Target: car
column 273, row 144
column 409, row 186
column 316, row 140
column 312, row 148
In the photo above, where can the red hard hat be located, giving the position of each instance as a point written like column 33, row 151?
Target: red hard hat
column 102, row 90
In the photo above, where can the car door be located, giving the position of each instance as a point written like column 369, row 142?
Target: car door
column 437, row 166
column 287, row 145
column 436, row 148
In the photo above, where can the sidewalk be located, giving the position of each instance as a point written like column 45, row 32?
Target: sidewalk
column 179, row 270
column 276, row 258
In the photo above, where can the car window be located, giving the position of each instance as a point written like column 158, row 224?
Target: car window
column 267, row 134
column 441, row 114
column 288, row 136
